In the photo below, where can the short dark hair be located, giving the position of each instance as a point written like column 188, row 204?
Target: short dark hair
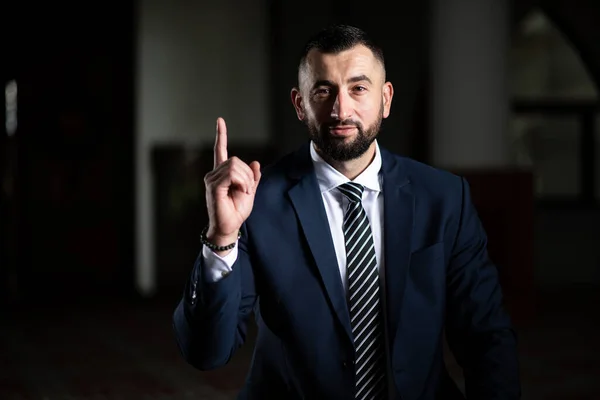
column 337, row 38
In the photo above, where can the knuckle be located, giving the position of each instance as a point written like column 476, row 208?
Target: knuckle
column 209, row 181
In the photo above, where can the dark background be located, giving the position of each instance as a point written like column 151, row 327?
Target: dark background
column 74, row 320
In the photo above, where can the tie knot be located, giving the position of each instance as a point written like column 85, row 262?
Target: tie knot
column 353, row 191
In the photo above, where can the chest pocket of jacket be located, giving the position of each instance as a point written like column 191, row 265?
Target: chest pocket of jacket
column 427, row 272
column 427, row 255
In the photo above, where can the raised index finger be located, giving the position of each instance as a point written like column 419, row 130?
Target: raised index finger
column 221, row 143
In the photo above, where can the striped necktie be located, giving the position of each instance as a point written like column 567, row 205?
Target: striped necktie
column 366, row 313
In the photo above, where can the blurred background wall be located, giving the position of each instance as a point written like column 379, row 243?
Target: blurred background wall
column 104, row 159
column 110, row 113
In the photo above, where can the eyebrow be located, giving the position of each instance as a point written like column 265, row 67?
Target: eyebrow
column 354, row 79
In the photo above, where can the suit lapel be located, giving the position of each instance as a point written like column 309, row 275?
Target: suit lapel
column 308, row 203
column 398, row 226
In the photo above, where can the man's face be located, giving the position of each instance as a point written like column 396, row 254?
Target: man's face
column 343, row 98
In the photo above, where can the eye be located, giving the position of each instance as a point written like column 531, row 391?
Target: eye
column 360, row 88
column 322, row 94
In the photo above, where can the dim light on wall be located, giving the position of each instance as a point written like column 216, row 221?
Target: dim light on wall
column 10, row 100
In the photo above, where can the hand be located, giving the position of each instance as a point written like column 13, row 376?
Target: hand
column 230, row 189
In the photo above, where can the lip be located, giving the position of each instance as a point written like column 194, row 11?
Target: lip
column 342, row 130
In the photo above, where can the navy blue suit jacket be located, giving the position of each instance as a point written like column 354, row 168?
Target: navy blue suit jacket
column 439, row 280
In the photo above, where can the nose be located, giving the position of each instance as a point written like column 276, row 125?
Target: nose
column 342, row 107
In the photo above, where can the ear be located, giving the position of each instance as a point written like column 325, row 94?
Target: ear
column 298, row 103
column 388, row 93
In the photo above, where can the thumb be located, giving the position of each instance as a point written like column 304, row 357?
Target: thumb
column 255, row 166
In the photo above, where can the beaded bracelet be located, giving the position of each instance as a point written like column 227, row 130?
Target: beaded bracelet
column 212, row 246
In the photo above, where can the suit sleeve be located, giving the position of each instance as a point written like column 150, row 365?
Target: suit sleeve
column 210, row 321
column 478, row 329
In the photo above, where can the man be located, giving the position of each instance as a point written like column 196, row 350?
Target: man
column 354, row 260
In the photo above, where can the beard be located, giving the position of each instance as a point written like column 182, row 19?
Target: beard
column 334, row 148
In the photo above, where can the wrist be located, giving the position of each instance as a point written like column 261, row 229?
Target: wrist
column 219, row 243
column 220, row 239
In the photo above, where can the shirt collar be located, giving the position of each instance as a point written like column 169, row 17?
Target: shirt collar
column 330, row 178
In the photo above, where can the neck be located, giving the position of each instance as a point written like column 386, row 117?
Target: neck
column 352, row 168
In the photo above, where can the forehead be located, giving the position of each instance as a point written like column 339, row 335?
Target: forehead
column 358, row 60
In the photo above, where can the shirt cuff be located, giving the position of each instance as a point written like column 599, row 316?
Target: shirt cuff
column 217, row 267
